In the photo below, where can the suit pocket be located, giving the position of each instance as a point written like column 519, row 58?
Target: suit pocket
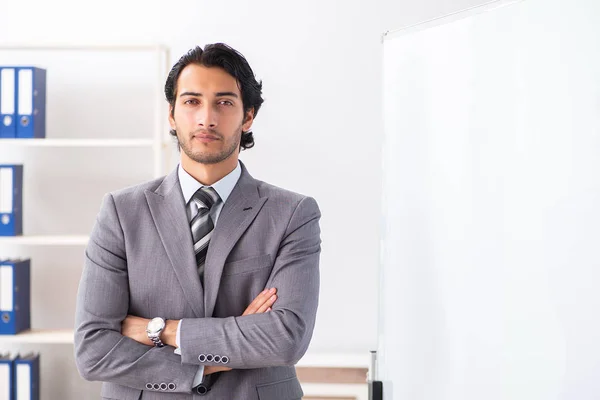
column 247, row 265
column 288, row 389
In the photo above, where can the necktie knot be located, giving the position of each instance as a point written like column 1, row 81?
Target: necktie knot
column 206, row 197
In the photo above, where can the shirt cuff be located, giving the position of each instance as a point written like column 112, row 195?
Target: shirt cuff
column 199, row 377
column 178, row 340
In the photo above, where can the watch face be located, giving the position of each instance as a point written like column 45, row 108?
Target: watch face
column 155, row 325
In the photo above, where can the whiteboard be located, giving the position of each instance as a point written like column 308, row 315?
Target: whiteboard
column 491, row 205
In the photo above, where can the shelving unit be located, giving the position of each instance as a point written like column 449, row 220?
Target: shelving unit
column 148, row 149
column 40, row 336
column 157, row 143
column 50, row 240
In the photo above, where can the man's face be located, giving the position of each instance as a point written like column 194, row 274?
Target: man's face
column 209, row 114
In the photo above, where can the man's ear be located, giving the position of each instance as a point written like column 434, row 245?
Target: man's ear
column 171, row 119
column 248, row 120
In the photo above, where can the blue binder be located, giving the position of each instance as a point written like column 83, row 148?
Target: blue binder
column 15, row 296
column 8, row 102
column 31, row 102
column 11, row 200
column 7, row 377
column 27, row 377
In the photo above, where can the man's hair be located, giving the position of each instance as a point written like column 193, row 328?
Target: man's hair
column 235, row 64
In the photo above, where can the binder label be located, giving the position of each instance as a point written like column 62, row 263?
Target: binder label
column 23, row 382
column 6, row 192
column 25, row 96
column 6, row 288
column 7, row 97
column 5, row 383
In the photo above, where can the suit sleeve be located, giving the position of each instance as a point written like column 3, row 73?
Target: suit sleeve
column 101, row 352
column 279, row 337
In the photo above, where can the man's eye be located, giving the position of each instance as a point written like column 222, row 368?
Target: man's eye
column 226, row 102
column 191, row 101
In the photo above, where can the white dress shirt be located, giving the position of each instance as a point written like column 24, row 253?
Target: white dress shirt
column 189, row 186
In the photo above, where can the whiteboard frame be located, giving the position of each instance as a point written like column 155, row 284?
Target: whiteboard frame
column 445, row 19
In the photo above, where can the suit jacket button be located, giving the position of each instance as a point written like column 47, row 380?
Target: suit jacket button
column 163, row 386
column 224, row 359
column 149, row 386
column 171, row 386
column 202, row 358
column 156, row 386
column 209, row 357
column 217, row 358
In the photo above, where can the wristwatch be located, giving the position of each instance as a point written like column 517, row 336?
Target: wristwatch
column 154, row 329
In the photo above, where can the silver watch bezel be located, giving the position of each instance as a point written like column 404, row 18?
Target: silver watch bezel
column 154, row 335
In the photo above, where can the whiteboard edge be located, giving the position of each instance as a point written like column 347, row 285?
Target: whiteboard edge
column 445, row 19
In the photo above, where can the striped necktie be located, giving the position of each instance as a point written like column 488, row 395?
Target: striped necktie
column 202, row 225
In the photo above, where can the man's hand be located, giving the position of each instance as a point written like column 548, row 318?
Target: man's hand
column 262, row 303
column 135, row 328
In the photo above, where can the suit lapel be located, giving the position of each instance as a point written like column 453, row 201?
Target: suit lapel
column 167, row 207
column 240, row 209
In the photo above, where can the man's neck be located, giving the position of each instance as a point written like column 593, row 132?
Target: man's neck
column 208, row 174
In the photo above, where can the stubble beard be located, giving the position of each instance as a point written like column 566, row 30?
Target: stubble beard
column 208, row 157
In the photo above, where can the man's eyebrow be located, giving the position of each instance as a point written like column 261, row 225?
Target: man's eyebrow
column 218, row 94
column 231, row 94
column 190, row 94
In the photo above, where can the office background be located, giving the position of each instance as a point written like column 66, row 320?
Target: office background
column 319, row 132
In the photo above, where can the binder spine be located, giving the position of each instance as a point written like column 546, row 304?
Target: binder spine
column 31, row 103
column 27, row 378
column 11, row 200
column 15, row 296
column 22, row 293
column 8, row 102
column 7, row 387
column 7, row 300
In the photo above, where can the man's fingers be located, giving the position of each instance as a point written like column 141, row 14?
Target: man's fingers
column 263, row 298
column 263, row 308
column 258, row 300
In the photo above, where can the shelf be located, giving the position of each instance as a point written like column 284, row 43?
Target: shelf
column 38, row 336
column 70, row 240
column 335, row 360
column 78, row 142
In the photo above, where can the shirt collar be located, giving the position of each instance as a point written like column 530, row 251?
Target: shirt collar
column 223, row 187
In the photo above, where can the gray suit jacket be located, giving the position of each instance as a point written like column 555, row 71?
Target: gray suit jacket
column 140, row 261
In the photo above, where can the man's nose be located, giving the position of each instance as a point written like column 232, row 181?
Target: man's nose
column 207, row 117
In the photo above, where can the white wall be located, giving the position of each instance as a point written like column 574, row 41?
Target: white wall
column 319, row 131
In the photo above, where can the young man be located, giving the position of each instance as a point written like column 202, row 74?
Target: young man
column 177, row 297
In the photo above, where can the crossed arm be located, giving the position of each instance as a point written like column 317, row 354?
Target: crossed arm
column 255, row 340
column 135, row 327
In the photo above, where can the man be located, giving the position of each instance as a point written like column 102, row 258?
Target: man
column 177, row 297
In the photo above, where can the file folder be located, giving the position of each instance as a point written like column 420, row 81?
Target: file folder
column 15, row 296
column 27, row 377
column 11, row 200
column 7, row 386
column 31, row 103
column 8, row 101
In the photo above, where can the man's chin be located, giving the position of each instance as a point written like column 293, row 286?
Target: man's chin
column 208, row 159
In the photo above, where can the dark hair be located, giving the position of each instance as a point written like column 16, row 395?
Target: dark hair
column 234, row 63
